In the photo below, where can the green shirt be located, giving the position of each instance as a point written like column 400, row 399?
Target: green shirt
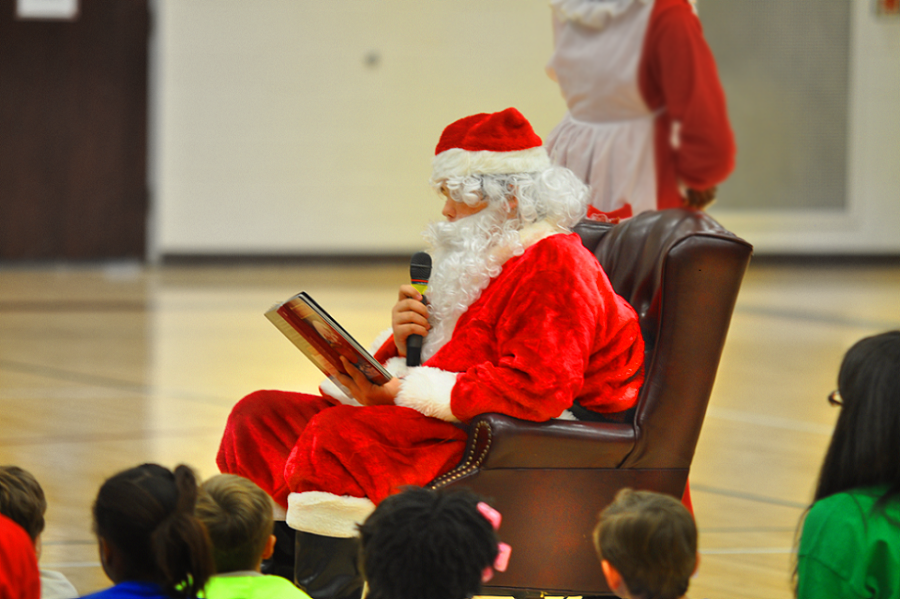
column 250, row 585
column 848, row 550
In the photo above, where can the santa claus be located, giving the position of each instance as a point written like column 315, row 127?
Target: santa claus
column 520, row 320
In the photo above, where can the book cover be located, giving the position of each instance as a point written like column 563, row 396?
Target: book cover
column 321, row 339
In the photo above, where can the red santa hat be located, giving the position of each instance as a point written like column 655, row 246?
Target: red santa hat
column 489, row 144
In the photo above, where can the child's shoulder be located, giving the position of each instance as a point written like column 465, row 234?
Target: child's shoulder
column 284, row 587
column 252, row 587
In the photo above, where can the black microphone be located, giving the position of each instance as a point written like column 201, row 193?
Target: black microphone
column 419, row 273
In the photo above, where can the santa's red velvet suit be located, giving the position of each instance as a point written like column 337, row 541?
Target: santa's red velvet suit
column 647, row 116
column 546, row 331
column 539, row 337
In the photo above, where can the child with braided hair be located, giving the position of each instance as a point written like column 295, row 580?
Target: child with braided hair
column 151, row 544
column 436, row 544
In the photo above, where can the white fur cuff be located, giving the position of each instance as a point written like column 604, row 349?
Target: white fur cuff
column 427, row 390
column 330, row 388
column 327, row 514
column 397, row 366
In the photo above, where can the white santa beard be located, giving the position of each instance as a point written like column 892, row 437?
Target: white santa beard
column 466, row 255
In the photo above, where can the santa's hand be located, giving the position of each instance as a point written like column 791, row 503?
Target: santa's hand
column 409, row 317
column 365, row 391
column 700, row 199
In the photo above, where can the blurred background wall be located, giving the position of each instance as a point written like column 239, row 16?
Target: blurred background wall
column 300, row 127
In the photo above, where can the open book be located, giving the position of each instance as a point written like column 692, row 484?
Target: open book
column 322, row 339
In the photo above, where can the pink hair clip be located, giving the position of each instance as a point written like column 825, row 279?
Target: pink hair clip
column 503, row 550
column 490, row 514
column 500, row 564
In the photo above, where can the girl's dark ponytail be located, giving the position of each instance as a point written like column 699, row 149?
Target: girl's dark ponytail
column 180, row 544
column 147, row 514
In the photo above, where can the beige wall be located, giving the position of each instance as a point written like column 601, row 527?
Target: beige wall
column 288, row 126
column 307, row 127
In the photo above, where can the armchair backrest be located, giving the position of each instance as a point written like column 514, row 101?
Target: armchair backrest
column 681, row 270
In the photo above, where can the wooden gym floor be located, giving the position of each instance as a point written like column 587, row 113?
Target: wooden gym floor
column 105, row 367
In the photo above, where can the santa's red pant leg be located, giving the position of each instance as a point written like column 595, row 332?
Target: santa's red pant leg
column 327, row 462
column 261, row 432
column 372, row 452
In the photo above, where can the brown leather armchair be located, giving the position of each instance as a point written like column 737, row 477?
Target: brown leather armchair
column 681, row 271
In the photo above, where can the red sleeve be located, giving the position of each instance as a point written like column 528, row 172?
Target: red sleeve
column 19, row 575
column 387, row 351
column 558, row 326
column 678, row 72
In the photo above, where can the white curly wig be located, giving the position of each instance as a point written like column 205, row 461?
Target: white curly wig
column 554, row 194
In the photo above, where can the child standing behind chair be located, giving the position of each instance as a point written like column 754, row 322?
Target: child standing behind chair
column 430, row 544
column 22, row 500
column 647, row 544
column 238, row 516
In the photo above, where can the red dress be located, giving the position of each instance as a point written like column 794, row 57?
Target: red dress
column 647, row 113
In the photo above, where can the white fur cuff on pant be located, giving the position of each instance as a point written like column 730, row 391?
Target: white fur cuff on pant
column 327, row 514
column 428, row 390
column 278, row 512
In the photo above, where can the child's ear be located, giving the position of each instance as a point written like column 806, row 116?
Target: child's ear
column 107, row 559
column 270, row 547
column 696, row 565
column 613, row 578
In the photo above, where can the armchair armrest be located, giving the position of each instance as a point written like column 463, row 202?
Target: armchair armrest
column 497, row 441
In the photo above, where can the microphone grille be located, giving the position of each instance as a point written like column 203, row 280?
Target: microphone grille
column 420, row 267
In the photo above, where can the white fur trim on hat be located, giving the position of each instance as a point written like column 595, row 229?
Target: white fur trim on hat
column 457, row 162
column 327, row 514
column 427, row 390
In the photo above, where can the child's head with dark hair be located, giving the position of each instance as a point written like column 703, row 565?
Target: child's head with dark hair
column 144, row 520
column 648, row 542
column 862, row 452
column 427, row 544
column 22, row 500
column 239, row 518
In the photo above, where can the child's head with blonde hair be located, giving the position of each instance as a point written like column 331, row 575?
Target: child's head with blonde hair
column 239, row 518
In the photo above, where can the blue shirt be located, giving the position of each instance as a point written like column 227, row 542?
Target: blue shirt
column 131, row 590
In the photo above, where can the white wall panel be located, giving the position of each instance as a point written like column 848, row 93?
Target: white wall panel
column 306, row 127
column 814, row 97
